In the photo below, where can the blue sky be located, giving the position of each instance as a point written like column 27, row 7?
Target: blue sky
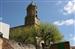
column 58, row 12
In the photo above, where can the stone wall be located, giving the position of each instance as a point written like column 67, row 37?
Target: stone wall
column 4, row 44
column 17, row 45
column 1, row 41
column 8, row 44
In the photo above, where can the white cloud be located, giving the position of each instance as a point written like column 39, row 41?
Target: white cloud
column 69, row 8
column 1, row 18
column 65, row 22
column 74, row 38
column 71, row 35
column 58, row 23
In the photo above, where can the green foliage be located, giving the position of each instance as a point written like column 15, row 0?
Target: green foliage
column 50, row 32
column 23, row 35
column 47, row 32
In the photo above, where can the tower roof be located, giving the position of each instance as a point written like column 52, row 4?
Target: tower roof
column 32, row 4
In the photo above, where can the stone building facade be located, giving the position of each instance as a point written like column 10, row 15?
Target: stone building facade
column 31, row 19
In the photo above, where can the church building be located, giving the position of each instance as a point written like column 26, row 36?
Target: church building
column 31, row 19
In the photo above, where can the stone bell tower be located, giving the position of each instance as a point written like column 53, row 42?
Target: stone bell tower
column 31, row 18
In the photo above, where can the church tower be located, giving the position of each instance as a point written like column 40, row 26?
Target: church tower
column 31, row 18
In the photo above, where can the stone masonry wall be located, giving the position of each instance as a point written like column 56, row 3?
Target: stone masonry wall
column 8, row 44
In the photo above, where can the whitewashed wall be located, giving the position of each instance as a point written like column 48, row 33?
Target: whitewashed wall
column 4, row 28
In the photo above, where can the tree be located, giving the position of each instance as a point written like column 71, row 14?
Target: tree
column 46, row 32
column 50, row 32
column 24, row 35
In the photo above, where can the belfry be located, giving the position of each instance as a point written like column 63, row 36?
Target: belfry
column 31, row 17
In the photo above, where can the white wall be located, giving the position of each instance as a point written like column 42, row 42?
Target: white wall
column 4, row 28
